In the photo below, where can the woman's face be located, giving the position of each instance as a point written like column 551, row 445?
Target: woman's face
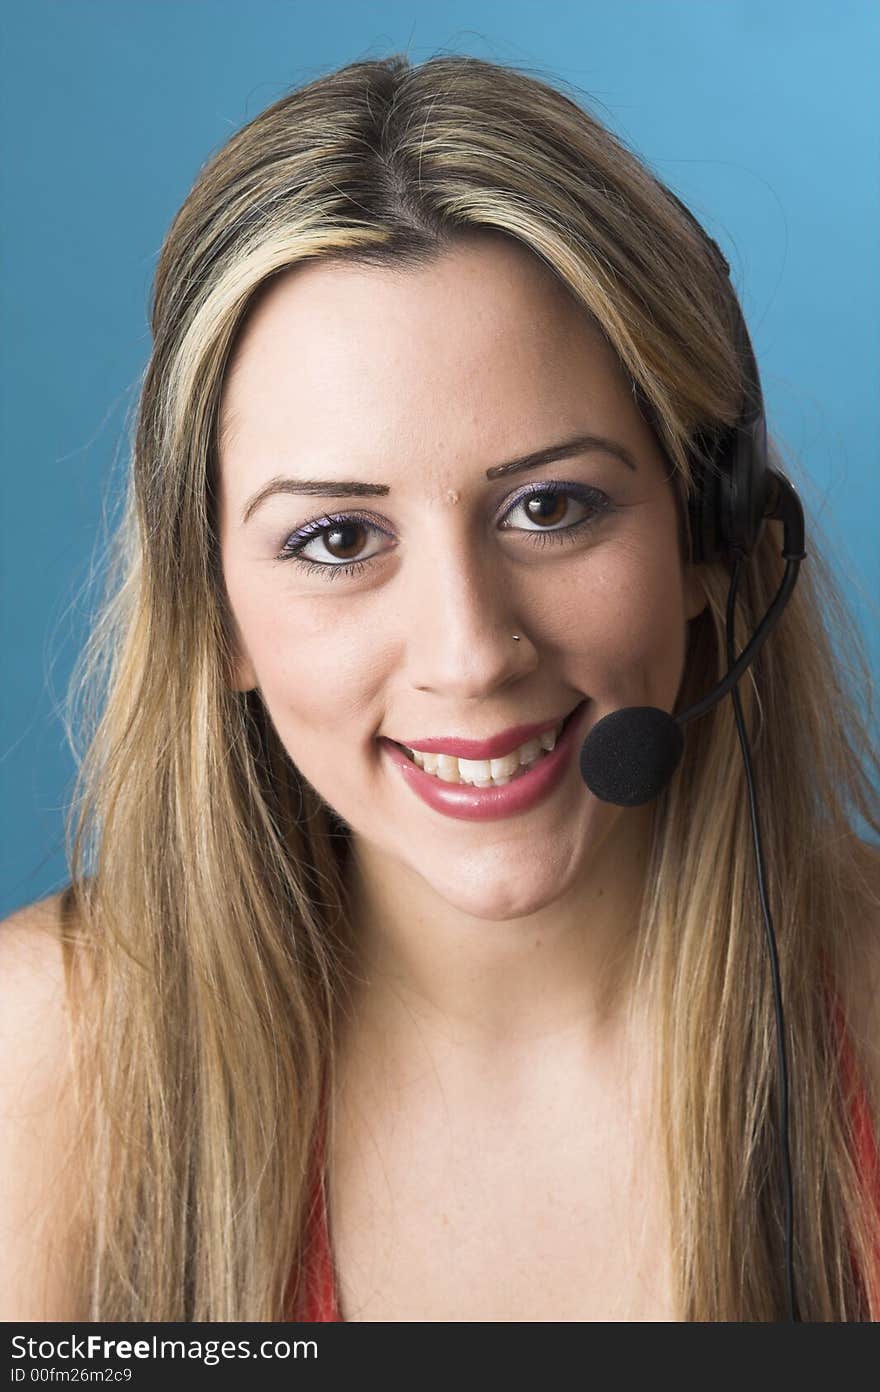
column 420, row 382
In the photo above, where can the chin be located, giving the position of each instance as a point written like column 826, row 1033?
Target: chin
column 500, row 901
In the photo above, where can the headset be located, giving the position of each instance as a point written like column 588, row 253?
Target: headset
column 630, row 755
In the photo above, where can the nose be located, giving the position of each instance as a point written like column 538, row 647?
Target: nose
column 461, row 615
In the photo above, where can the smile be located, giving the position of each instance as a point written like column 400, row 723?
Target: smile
column 486, row 773
column 493, row 788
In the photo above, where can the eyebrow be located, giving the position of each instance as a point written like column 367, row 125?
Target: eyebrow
column 342, row 488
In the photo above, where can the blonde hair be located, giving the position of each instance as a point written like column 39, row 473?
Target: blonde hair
column 207, row 922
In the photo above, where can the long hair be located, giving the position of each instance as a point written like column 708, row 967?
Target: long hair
column 207, row 939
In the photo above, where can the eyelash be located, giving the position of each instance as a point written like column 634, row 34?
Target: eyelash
column 593, row 497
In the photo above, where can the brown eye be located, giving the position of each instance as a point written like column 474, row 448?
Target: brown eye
column 338, row 541
column 345, row 541
column 550, row 508
column 563, row 508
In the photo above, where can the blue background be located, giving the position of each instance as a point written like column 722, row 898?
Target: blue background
column 763, row 115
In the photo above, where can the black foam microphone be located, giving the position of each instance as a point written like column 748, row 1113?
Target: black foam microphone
column 630, row 755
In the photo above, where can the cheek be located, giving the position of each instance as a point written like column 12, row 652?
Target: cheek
column 312, row 672
column 625, row 616
column 317, row 687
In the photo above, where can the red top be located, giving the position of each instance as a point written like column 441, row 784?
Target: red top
column 321, row 1303
column 866, row 1154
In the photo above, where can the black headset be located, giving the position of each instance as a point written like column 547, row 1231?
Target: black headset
column 629, row 756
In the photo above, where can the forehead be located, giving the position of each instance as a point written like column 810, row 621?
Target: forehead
column 480, row 350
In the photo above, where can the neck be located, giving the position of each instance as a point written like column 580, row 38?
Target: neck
column 513, row 1000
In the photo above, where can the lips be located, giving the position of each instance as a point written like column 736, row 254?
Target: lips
column 520, row 795
column 494, row 748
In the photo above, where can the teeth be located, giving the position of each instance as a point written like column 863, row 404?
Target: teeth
column 504, row 767
column 529, row 752
column 486, row 773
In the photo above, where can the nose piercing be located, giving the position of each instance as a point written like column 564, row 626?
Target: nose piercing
column 516, row 636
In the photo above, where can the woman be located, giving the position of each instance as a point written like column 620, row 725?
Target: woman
column 348, row 1041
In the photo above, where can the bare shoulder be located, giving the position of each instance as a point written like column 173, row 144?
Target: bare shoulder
column 33, row 1018
column 30, row 955
column 36, row 1113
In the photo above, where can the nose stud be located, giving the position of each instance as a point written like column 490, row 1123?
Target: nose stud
column 516, row 637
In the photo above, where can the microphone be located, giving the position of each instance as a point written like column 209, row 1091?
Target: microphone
column 630, row 755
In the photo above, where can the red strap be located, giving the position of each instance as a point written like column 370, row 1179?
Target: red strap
column 866, row 1153
column 319, row 1305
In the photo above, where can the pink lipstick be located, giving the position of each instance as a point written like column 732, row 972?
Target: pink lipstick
column 524, row 791
column 494, row 748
